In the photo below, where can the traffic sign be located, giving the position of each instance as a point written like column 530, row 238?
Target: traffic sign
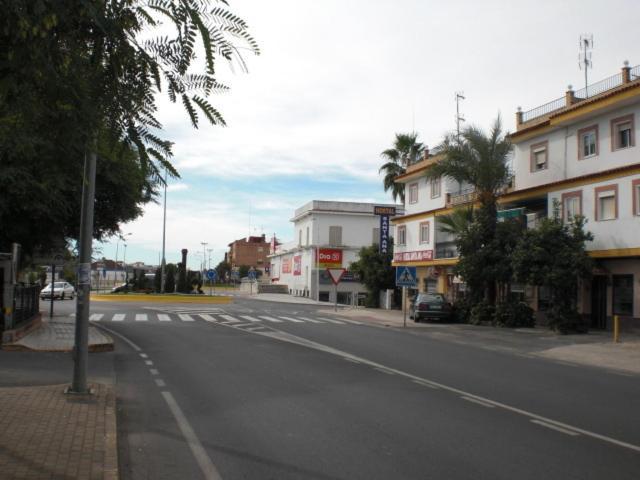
column 252, row 274
column 212, row 274
column 406, row 277
column 336, row 274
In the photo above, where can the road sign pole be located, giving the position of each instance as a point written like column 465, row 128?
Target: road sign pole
column 404, row 307
column 335, row 289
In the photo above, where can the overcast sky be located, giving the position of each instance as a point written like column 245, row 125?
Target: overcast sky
column 337, row 79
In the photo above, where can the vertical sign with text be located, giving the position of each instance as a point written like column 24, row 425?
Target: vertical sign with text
column 384, row 213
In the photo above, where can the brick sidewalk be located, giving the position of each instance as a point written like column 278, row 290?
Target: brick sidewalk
column 46, row 434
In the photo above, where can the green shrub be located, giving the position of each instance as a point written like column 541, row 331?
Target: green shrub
column 513, row 314
column 481, row 313
column 462, row 310
column 565, row 320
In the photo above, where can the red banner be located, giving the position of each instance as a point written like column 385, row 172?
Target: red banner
column 297, row 265
column 418, row 256
column 330, row 258
column 286, row 265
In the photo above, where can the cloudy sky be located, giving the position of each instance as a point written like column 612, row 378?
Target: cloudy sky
column 337, row 79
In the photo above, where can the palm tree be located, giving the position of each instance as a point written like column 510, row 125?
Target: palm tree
column 457, row 222
column 406, row 150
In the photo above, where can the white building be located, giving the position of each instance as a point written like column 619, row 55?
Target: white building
column 334, row 232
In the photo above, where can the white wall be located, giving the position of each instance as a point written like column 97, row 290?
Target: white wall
column 425, row 202
column 623, row 232
column 413, row 236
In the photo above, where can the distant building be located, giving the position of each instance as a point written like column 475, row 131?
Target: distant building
column 250, row 251
column 327, row 235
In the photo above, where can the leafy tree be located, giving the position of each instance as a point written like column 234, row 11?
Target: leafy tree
column 405, row 151
column 223, row 268
column 170, row 280
column 78, row 76
column 554, row 255
column 457, row 222
column 243, row 271
column 375, row 272
column 480, row 160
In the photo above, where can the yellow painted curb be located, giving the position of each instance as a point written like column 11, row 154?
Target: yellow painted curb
column 163, row 298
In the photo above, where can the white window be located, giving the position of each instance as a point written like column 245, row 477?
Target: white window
column 622, row 135
column 413, row 193
column 572, row 205
column 402, row 235
column 588, row 144
column 435, row 187
column 539, row 156
column 606, row 204
column 335, row 236
column 424, row 232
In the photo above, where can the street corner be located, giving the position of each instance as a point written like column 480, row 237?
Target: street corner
column 151, row 298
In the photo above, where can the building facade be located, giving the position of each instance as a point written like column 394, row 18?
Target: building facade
column 326, row 235
column 251, row 251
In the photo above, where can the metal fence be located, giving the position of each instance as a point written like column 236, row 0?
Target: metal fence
column 553, row 105
column 25, row 303
column 599, row 87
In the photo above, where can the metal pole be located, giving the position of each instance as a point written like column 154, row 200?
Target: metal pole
column 616, row 328
column 404, row 306
column 115, row 267
column 124, row 264
column 81, row 345
column 335, row 307
column 164, row 231
column 53, row 275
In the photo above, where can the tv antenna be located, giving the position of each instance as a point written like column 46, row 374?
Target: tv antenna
column 584, row 58
column 459, row 118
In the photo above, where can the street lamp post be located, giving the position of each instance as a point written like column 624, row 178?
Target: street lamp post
column 204, row 258
column 124, row 264
column 164, row 231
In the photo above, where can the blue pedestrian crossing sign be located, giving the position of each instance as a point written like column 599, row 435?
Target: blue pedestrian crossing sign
column 406, row 277
column 212, row 274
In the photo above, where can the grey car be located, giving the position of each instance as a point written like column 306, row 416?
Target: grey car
column 61, row 290
column 430, row 306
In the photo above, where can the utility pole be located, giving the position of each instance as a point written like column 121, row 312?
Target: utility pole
column 459, row 118
column 164, row 231
column 81, row 339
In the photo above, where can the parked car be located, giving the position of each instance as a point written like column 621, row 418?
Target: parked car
column 61, row 290
column 430, row 306
column 125, row 287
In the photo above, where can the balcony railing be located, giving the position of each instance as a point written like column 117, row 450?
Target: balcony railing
column 545, row 109
column 468, row 195
column 599, row 87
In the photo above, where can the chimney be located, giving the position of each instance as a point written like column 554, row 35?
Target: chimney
column 425, row 153
column 519, row 116
column 626, row 72
column 569, row 97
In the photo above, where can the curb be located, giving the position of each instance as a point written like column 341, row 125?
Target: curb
column 203, row 299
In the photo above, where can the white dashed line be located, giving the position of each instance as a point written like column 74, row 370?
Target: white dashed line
column 185, row 318
column 153, row 371
column 556, row 428
column 160, row 382
column 142, row 317
column 163, row 317
column 96, row 317
column 270, row 319
column 478, row 402
column 148, row 362
column 118, row 317
column 143, row 355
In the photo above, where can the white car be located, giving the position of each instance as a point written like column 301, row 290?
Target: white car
column 61, row 290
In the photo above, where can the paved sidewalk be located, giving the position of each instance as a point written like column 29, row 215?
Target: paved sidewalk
column 57, row 335
column 595, row 349
column 47, row 434
column 279, row 297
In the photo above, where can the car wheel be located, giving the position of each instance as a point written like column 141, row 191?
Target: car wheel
column 71, row 297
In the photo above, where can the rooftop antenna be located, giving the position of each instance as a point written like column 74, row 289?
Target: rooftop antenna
column 459, row 118
column 584, row 58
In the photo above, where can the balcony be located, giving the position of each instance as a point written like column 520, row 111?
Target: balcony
column 468, row 195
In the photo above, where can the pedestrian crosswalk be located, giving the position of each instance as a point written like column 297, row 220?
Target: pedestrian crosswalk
column 218, row 317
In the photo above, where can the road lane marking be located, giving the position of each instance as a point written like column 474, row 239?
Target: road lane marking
column 554, row 427
column 312, row 320
column 207, row 317
column 163, row 317
column 209, row 470
column 141, row 317
column 270, row 319
column 350, row 360
column 253, row 329
column 240, row 325
column 473, row 400
column 148, row 362
column 96, row 317
column 118, row 317
column 185, row 318
column 291, row 319
column 153, row 371
column 160, row 382
column 352, row 321
column 287, row 337
column 424, row 383
column 384, row 370
column 250, row 318
column 230, row 319
column 330, row 320
column 143, row 355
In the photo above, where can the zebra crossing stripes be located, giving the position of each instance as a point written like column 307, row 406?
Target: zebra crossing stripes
column 118, row 317
column 294, row 320
column 270, row 319
column 185, row 317
column 96, row 317
column 207, row 317
column 311, row 320
column 163, row 317
column 250, row 318
column 330, row 320
column 230, row 319
column 142, row 317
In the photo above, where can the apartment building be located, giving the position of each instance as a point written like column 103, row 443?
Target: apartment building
column 251, row 251
column 419, row 240
column 326, row 235
column 579, row 152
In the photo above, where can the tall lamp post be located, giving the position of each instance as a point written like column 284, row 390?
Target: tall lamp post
column 204, row 258
column 164, row 231
column 124, row 264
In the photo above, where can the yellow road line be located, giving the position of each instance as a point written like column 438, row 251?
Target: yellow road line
column 163, row 298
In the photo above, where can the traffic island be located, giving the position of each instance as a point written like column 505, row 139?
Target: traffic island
column 159, row 298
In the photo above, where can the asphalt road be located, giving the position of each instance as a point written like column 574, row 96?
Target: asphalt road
column 261, row 390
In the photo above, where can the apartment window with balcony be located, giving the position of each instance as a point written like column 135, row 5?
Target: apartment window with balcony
column 402, row 235
column 335, row 236
column 571, row 205
column 622, row 132
column 635, row 185
column 435, row 187
column 413, row 193
column 588, row 142
column 606, row 202
column 424, row 232
column 539, row 156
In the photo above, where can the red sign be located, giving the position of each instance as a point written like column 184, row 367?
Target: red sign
column 286, row 265
column 297, row 265
column 330, row 258
column 418, row 256
column 336, row 274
